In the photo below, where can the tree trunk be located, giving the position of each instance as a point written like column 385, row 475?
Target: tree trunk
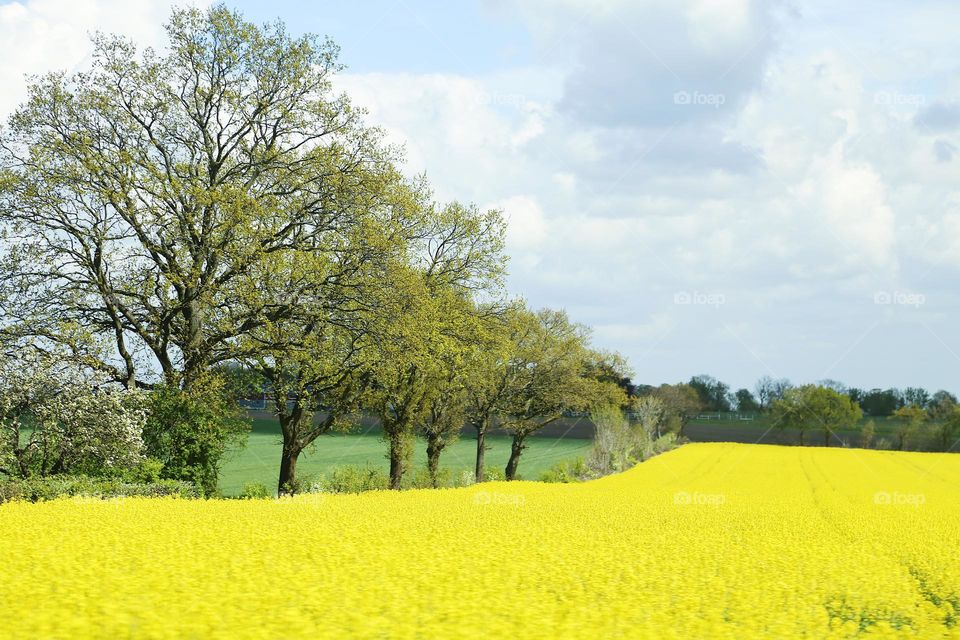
column 826, row 438
column 801, row 437
column 481, row 449
column 292, row 421
column 434, row 449
column 288, row 471
column 516, row 449
column 397, row 460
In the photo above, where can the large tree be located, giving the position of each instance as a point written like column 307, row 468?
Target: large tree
column 445, row 412
column 910, row 419
column 769, row 390
column 812, row 407
column 942, row 405
column 138, row 195
column 453, row 264
column 714, row 395
column 322, row 312
column 746, row 402
column 549, row 374
column 681, row 403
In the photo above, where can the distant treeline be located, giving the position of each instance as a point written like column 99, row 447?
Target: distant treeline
column 715, row 395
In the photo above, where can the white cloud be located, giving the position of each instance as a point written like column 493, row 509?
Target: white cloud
column 799, row 197
column 527, row 225
column 827, row 173
column 37, row 36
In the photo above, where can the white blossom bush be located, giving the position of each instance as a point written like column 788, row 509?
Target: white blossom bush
column 55, row 419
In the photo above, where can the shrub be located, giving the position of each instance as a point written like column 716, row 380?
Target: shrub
column 614, row 443
column 352, row 479
column 189, row 430
column 421, row 478
column 55, row 419
column 867, row 433
column 651, row 448
column 255, row 491
column 466, row 478
column 148, row 471
column 37, row 488
column 566, row 471
column 618, row 445
column 495, row 474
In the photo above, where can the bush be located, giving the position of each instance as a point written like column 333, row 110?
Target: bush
column 352, row 479
column 57, row 420
column 255, row 491
column 421, row 478
column 148, row 471
column 37, row 489
column 189, row 430
column 651, row 448
column 618, row 445
column 615, row 444
column 566, row 471
column 466, row 478
column 867, row 434
column 494, row 474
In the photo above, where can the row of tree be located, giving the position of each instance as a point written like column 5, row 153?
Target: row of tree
column 826, row 407
column 716, row 396
column 217, row 206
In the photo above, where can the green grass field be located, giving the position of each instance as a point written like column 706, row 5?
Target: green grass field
column 259, row 461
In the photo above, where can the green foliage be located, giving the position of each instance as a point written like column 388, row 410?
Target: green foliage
column 812, row 407
column 947, row 430
column 746, row 402
column 566, row 471
column 867, row 433
column 493, row 474
column 911, row 421
column 189, row 430
column 38, row 488
column 878, row 402
column 714, row 395
column 148, row 471
column 941, row 405
column 352, row 479
column 549, row 359
column 618, row 445
column 422, row 478
column 255, row 491
column 769, row 390
column 681, row 403
column 673, row 424
column 615, row 443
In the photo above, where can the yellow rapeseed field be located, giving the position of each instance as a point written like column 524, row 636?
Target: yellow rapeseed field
column 711, row 540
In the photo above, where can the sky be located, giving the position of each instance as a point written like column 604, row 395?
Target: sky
column 726, row 187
